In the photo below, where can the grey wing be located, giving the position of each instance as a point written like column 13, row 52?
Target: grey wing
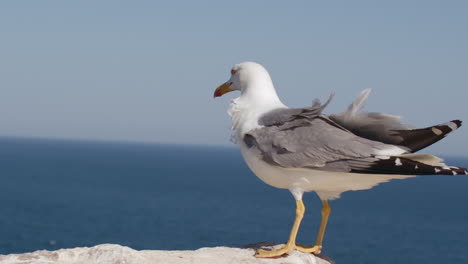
column 304, row 138
column 323, row 146
column 388, row 128
column 313, row 143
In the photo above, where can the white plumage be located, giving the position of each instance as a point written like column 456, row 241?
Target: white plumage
column 304, row 150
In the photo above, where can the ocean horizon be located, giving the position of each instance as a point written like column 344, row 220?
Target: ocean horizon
column 58, row 193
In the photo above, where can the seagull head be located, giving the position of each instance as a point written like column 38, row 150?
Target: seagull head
column 251, row 79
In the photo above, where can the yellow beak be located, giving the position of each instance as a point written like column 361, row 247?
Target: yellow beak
column 222, row 89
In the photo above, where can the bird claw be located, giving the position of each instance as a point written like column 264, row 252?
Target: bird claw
column 275, row 253
column 316, row 249
column 286, row 249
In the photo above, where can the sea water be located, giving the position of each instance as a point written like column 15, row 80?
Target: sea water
column 63, row 194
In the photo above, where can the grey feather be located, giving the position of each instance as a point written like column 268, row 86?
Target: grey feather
column 373, row 126
column 322, row 146
column 359, row 102
column 347, row 142
column 284, row 115
column 388, row 128
column 310, row 145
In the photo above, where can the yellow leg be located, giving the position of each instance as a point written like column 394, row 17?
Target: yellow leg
column 291, row 245
column 317, row 248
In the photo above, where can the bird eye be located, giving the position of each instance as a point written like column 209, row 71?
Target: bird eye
column 233, row 71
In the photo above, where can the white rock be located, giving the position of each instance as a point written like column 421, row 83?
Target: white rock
column 116, row 254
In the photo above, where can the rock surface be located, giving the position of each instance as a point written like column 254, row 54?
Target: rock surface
column 116, row 254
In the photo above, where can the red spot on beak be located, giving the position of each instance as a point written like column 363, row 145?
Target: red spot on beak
column 222, row 89
column 217, row 93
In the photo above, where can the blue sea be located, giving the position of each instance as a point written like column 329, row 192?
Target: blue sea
column 62, row 194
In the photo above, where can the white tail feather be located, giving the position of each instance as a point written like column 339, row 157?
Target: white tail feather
column 426, row 159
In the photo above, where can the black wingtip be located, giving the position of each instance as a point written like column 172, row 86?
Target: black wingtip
column 416, row 139
column 457, row 122
column 405, row 166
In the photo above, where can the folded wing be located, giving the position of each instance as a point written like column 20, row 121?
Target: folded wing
column 388, row 128
column 305, row 138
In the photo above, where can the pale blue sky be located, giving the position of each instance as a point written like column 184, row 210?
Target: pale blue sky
column 146, row 70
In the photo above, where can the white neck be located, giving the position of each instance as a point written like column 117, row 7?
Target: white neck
column 260, row 93
column 258, row 98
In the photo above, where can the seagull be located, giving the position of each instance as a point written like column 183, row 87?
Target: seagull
column 304, row 150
